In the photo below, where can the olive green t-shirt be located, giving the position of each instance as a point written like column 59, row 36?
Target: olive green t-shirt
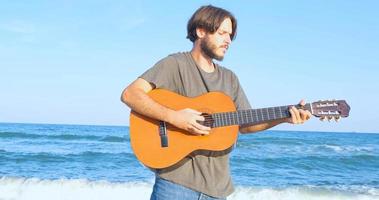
column 203, row 171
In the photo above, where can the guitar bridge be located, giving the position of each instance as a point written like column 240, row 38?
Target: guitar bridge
column 163, row 134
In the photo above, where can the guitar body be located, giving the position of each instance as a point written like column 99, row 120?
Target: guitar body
column 146, row 141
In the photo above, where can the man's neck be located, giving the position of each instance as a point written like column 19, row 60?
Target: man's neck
column 202, row 61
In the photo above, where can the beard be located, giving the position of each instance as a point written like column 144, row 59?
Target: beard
column 209, row 49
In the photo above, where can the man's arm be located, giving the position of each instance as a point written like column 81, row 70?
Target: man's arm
column 298, row 116
column 135, row 96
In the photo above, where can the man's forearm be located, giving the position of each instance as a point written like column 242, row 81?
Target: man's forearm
column 261, row 127
column 141, row 103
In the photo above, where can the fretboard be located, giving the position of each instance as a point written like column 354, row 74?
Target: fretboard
column 252, row 116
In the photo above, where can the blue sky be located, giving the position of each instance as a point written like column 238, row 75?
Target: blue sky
column 68, row 61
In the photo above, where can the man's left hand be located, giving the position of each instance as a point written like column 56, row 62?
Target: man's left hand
column 298, row 116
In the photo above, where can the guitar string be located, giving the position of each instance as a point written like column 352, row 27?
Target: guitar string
column 246, row 114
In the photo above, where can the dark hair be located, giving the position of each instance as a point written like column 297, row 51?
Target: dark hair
column 209, row 18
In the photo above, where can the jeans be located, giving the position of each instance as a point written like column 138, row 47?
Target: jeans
column 166, row 190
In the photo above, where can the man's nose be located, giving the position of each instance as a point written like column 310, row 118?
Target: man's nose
column 227, row 39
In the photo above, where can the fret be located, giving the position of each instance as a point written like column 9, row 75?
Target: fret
column 260, row 111
column 274, row 113
column 231, row 118
column 241, row 120
column 263, row 114
column 216, row 120
column 249, row 115
column 285, row 112
column 248, row 112
column 253, row 114
column 281, row 112
column 224, row 119
column 260, row 116
column 245, row 116
column 235, row 118
column 256, row 115
column 240, row 117
column 221, row 119
column 268, row 114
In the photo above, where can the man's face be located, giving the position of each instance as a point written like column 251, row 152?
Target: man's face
column 215, row 45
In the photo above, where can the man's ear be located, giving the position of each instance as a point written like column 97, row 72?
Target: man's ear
column 200, row 32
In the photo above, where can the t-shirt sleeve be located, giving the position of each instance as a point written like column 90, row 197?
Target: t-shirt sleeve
column 240, row 100
column 163, row 73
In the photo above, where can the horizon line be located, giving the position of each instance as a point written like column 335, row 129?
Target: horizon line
column 117, row 125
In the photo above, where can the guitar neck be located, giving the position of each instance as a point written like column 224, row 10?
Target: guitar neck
column 253, row 116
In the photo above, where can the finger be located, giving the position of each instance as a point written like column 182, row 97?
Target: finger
column 309, row 115
column 201, row 127
column 298, row 117
column 198, row 131
column 302, row 102
column 306, row 115
column 199, row 118
column 293, row 116
column 194, row 111
column 303, row 115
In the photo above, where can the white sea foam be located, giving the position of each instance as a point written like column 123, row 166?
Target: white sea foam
column 299, row 193
column 347, row 149
column 79, row 189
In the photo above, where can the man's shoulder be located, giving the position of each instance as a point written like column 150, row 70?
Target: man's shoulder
column 179, row 56
column 226, row 70
column 171, row 59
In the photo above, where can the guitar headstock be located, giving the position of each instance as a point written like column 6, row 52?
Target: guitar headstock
column 330, row 109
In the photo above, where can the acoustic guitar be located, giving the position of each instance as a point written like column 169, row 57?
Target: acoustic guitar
column 158, row 144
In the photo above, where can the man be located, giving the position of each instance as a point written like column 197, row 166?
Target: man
column 202, row 174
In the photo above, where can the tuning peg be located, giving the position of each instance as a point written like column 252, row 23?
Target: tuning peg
column 337, row 118
column 329, row 118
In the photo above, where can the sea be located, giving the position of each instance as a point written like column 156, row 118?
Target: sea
column 82, row 162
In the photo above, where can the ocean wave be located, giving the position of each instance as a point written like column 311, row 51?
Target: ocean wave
column 71, row 189
column 70, row 137
column 345, row 149
column 301, row 193
column 33, row 188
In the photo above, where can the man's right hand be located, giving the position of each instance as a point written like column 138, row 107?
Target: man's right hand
column 186, row 119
